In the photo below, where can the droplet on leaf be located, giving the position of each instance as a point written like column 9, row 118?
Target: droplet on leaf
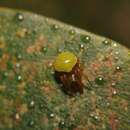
column 55, row 27
column 72, row 32
column 61, row 124
column 19, row 77
column 115, row 44
column 5, row 74
column 17, row 116
column 31, row 104
column 20, row 16
column 99, row 81
column 114, row 92
column 44, row 49
column 31, row 123
column 18, row 65
column 106, row 42
column 117, row 52
column 85, row 38
column 51, row 115
column 113, row 84
column 82, row 46
column 19, row 56
column 118, row 68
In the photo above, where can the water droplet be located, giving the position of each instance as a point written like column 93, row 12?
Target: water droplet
column 100, row 81
column 42, row 106
column 61, row 124
column 17, row 116
column 106, row 42
column 115, row 44
column 96, row 117
column 50, row 64
column 91, row 115
column 117, row 52
column 5, row 74
column 118, row 68
column 18, row 65
column 51, row 115
column 72, row 32
column 85, row 38
column 52, row 72
column 108, row 104
column 55, row 27
column 19, row 77
column 20, row 16
column 44, row 49
column 82, row 46
column 31, row 104
column 113, row 84
column 31, row 123
column 19, row 56
column 46, row 20
column 114, row 92
column 116, row 58
column 60, row 50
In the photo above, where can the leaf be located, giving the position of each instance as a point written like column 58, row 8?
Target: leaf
column 30, row 96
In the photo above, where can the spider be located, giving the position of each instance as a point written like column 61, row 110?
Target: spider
column 68, row 72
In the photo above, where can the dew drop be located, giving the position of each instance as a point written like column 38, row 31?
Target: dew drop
column 113, row 84
column 85, row 38
column 51, row 115
column 82, row 46
column 55, row 27
column 32, row 104
column 61, row 124
column 91, row 115
column 44, row 49
column 60, row 50
column 5, row 74
column 99, row 81
column 19, row 77
column 118, row 68
column 117, row 52
column 31, row 123
column 96, row 118
column 72, row 32
column 108, row 104
column 52, row 72
column 17, row 116
column 18, row 65
column 114, row 92
column 19, row 56
column 116, row 58
column 106, row 42
column 50, row 64
column 46, row 20
column 115, row 44
column 20, row 16
column 42, row 106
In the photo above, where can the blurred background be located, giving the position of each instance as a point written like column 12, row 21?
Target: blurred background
column 110, row 18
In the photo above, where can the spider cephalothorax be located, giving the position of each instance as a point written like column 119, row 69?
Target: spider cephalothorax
column 68, row 72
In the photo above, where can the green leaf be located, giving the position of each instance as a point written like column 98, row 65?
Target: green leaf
column 30, row 96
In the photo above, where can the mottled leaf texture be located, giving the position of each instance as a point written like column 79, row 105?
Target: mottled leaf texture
column 31, row 98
